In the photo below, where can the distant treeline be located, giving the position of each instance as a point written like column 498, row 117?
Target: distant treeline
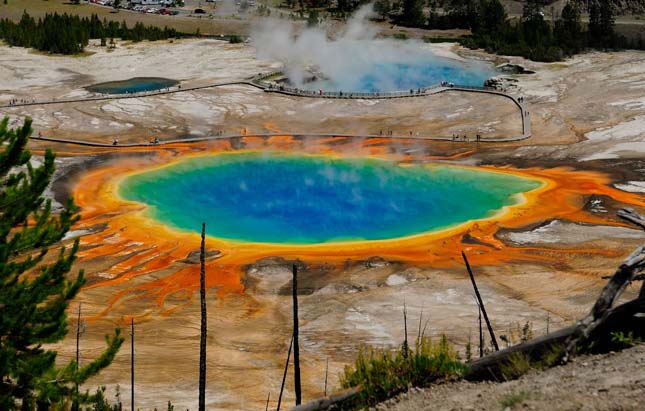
column 70, row 34
column 537, row 35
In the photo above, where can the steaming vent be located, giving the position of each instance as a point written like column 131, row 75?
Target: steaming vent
column 357, row 59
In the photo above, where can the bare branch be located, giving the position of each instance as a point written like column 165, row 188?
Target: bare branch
column 630, row 215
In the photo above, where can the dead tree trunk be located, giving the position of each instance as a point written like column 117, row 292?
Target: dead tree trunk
column 633, row 217
column 406, row 346
column 326, row 374
column 630, row 268
column 284, row 375
column 296, row 349
column 203, row 330
column 481, row 331
column 481, row 303
column 132, row 364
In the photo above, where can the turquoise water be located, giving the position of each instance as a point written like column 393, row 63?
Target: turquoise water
column 290, row 198
column 133, row 85
column 397, row 76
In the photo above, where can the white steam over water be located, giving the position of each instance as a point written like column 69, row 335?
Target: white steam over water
column 356, row 60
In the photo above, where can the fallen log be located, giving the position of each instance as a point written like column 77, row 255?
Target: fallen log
column 489, row 367
column 334, row 400
column 624, row 318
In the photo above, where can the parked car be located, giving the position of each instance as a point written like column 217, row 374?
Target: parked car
column 165, row 12
column 199, row 11
column 152, row 10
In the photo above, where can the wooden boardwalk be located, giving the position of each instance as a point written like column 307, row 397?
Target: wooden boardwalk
column 259, row 82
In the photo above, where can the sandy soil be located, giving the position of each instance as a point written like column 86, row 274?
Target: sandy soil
column 588, row 113
column 596, row 383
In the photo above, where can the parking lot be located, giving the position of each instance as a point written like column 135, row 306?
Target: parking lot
column 187, row 8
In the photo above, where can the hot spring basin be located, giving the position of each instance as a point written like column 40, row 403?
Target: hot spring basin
column 133, row 85
column 292, row 198
column 402, row 76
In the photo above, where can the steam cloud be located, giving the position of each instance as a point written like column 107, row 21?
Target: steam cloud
column 356, row 59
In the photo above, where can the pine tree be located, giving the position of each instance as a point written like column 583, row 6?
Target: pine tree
column 463, row 13
column 312, row 19
column 382, row 8
column 531, row 10
column 70, row 34
column 413, row 13
column 607, row 23
column 568, row 29
column 595, row 30
column 537, row 32
column 33, row 295
column 493, row 18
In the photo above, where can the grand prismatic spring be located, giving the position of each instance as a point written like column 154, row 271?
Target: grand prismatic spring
column 285, row 198
column 354, row 191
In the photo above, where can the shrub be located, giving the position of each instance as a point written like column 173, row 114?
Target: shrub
column 517, row 365
column 383, row 373
column 234, row 39
column 624, row 340
column 514, row 398
column 553, row 356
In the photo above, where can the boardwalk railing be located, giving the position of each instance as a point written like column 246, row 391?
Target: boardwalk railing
column 272, row 87
column 105, row 97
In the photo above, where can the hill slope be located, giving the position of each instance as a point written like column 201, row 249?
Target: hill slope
column 614, row 381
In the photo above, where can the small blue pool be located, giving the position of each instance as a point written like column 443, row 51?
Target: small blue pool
column 133, row 85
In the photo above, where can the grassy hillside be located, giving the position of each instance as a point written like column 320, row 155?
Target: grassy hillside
column 37, row 8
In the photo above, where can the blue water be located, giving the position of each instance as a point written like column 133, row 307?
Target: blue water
column 393, row 76
column 290, row 198
column 133, row 85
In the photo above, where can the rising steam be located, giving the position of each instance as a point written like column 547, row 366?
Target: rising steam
column 356, row 59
